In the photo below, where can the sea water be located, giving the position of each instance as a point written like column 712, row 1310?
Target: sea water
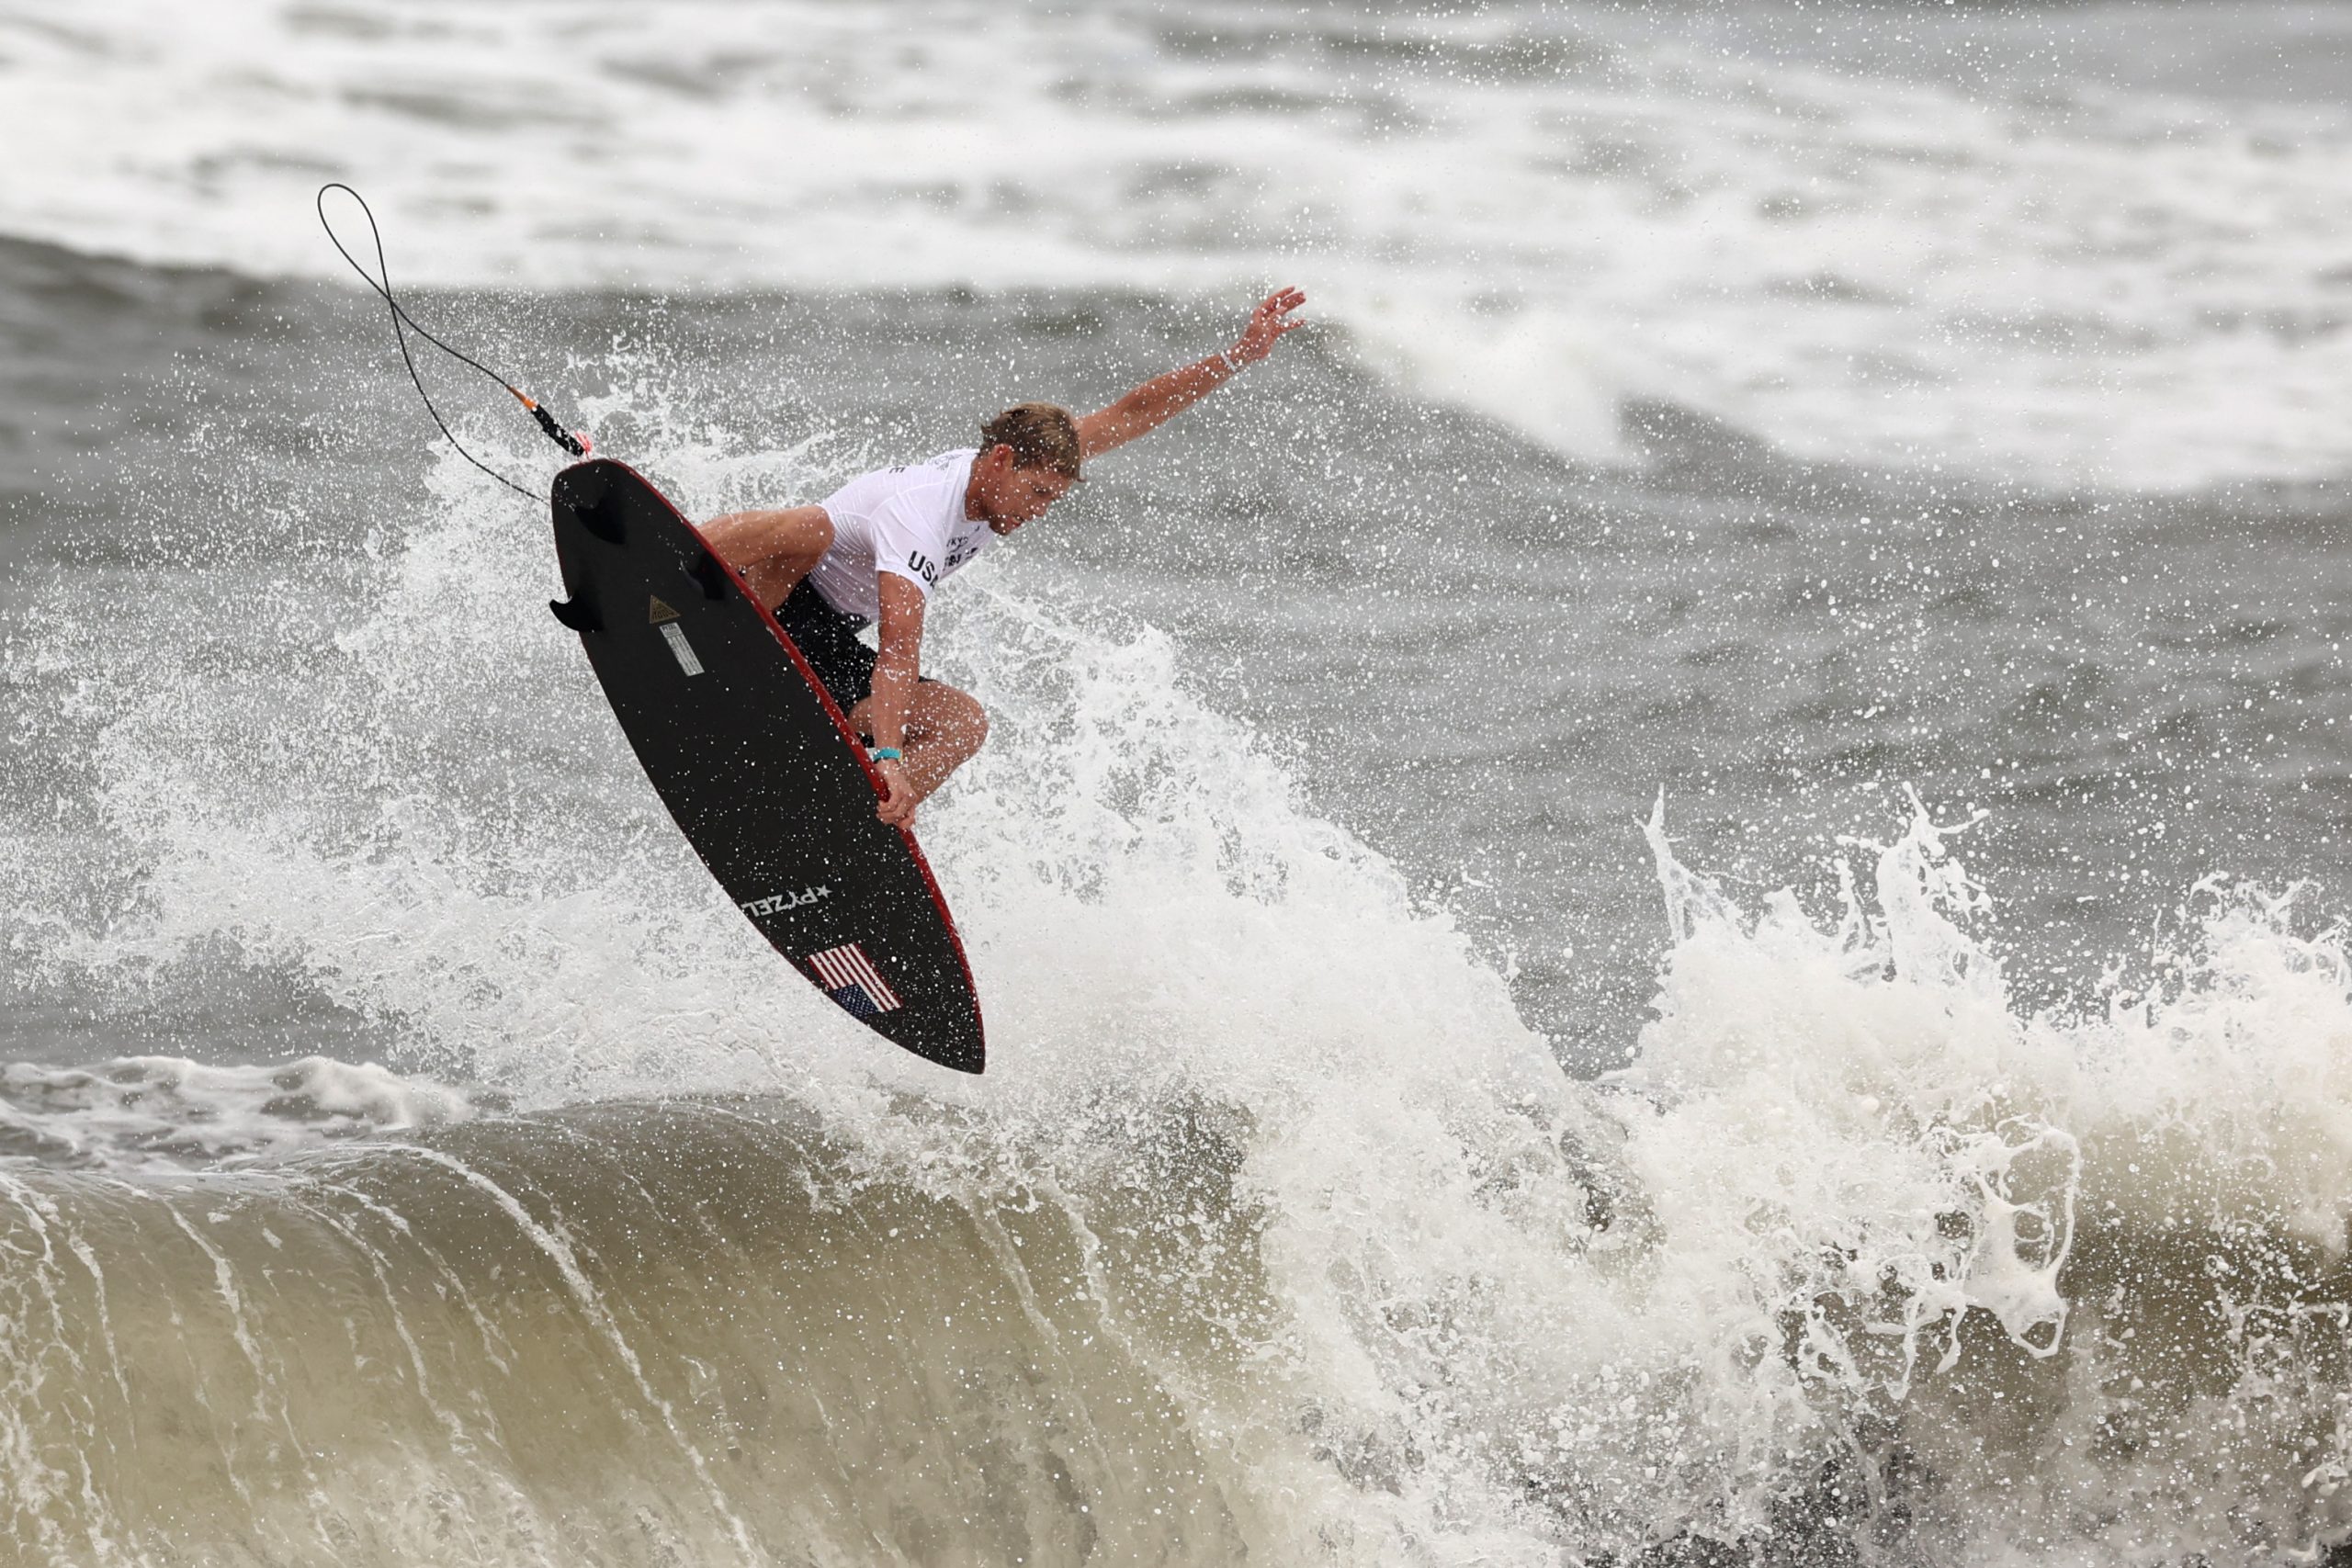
column 1671, row 894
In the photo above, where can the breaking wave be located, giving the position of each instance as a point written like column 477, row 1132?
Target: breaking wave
column 1272, row 1230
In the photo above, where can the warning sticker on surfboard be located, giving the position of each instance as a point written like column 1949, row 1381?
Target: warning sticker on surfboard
column 758, row 766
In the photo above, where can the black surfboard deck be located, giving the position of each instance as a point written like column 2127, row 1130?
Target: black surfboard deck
column 758, row 765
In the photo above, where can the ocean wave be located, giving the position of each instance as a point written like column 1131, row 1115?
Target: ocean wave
column 1270, row 1182
column 160, row 1113
column 1860, row 252
column 1276, row 1227
column 1854, row 1253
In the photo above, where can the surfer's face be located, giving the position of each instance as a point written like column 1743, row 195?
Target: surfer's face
column 1008, row 496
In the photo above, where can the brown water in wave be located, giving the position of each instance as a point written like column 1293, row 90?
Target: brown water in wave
column 630, row 1336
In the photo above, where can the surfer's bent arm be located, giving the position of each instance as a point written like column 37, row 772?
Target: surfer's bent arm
column 897, row 664
column 1162, row 398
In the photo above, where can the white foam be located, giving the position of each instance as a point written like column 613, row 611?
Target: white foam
column 1464, row 1300
column 167, row 1112
column 1532, row 214
column 1853, row 1115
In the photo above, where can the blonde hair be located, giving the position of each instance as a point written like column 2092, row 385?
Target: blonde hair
column 1041, row 436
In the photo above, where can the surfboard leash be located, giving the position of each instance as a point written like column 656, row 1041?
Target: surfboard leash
column 381, row 280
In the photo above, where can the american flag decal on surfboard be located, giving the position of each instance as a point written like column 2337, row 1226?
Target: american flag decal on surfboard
column 847, row 975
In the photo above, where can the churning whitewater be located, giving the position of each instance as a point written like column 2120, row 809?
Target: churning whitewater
column 2011, row 241
column 1676, row 898
column 1275, row 1233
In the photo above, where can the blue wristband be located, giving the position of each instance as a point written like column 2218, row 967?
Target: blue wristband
column 882, row 754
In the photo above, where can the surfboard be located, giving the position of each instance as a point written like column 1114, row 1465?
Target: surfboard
column 757, row 764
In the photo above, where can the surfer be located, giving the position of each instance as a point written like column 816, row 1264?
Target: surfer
column 872, row 550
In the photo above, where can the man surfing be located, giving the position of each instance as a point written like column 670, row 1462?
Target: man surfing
column 873, row 550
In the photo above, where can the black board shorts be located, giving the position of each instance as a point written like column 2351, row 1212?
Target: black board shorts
column 827, row 639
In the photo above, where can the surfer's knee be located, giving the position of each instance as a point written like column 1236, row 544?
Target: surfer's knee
column 794, row 538
column 957, row 718
column 817, row 532
column 973, row 720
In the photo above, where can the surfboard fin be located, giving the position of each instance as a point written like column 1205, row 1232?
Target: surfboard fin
column 602, row 520
column 584, row 491
column 709, row 576
column 579, row 615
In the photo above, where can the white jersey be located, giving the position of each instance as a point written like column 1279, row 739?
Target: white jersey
column 908, row 521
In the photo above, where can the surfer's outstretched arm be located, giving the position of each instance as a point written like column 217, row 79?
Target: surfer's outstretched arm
column 1162, row 398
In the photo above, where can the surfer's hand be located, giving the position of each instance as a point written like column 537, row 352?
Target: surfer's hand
column 898, row 807
column 1267, row 323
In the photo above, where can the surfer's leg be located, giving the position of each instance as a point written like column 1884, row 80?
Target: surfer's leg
column 944, row 728
column 772, row 551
